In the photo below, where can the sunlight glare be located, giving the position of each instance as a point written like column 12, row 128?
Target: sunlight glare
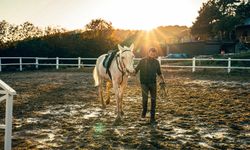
column 124, row 14
column 147, row 15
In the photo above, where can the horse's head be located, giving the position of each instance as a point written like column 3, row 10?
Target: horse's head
column 127, row 57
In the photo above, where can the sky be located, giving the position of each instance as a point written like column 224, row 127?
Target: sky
column 123, row 14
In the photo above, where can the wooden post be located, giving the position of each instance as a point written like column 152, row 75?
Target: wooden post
column 57, row 63
column 79, row 62
column 193, row 65
column 229, row 65
column 20, row 61
column 8, row 122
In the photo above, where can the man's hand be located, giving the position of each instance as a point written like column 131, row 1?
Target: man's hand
column 133, row 73
column 162, row 79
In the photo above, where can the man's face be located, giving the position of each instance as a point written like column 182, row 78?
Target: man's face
column 152, row 54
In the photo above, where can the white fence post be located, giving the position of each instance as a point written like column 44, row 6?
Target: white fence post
column 8, row 97
column 193, row 65
column 8, row 122
column 229, row 65
column 0, row 64
column 57, row 63
column 37, row 62
column 79, row 62
column 20, row 61
column 159, row 59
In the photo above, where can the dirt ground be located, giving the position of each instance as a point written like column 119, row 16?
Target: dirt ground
column 60, row 110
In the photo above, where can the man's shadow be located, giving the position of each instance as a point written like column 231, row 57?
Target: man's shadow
column 155, row 136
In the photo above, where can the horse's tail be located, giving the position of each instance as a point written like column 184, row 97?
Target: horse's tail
column 96, row 76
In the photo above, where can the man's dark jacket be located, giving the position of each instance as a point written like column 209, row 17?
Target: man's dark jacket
column 148, row 68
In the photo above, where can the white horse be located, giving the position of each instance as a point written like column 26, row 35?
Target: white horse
column 120, row 67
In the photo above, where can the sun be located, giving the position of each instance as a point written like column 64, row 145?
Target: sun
column 147, row 27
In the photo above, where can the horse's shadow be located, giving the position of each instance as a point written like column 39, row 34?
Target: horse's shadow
column 118, row 122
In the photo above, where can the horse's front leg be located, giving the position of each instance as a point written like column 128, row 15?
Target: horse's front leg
column 116, row 88
column 122, row 88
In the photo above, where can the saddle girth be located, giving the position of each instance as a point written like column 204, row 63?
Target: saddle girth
column 108, row 60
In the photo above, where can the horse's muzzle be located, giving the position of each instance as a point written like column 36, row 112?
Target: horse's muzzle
column 131, row 71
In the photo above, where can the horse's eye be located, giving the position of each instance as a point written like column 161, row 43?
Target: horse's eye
column 123, row 57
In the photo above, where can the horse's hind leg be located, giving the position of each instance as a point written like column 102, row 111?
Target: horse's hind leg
column 108, row 87
column 101, row 95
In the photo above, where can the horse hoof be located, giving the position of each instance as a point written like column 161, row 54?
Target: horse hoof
column 107, row 101
column 103, row 106
column 117, row 121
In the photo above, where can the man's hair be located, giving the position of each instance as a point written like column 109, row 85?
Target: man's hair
column 152, row 49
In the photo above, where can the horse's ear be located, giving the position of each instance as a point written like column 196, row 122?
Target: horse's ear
column 132, row 47
column 120, row 47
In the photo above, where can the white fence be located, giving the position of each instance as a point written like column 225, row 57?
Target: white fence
column 196, row 63
column 39, row 61
column 193, row 63
column 8, row 94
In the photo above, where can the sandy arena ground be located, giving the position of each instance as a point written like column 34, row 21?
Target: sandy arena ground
column 60, row 110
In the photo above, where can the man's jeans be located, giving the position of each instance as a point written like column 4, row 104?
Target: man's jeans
column 146, row 88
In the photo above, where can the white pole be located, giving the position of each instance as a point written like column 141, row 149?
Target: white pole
column 36, row 62
column 0, row 64
column 229, row 65
column 159, row 59
column 79, row 62
column 57, row 63
column 8, row 122
column 20, row 61
column 167, row 49
column 193, row 65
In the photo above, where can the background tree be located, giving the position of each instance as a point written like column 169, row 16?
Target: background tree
column 242, row 12
column 4, row 31
column 99, row 28
column 100, row 32
column 217, row 18
column 209, row 15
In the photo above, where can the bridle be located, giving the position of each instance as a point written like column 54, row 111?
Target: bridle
column 120, row 64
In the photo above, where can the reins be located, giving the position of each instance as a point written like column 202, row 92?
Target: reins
column 120, row 65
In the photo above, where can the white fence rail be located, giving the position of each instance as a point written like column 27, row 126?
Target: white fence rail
column 196, row 63
column 7, row 94
column 78, row 62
